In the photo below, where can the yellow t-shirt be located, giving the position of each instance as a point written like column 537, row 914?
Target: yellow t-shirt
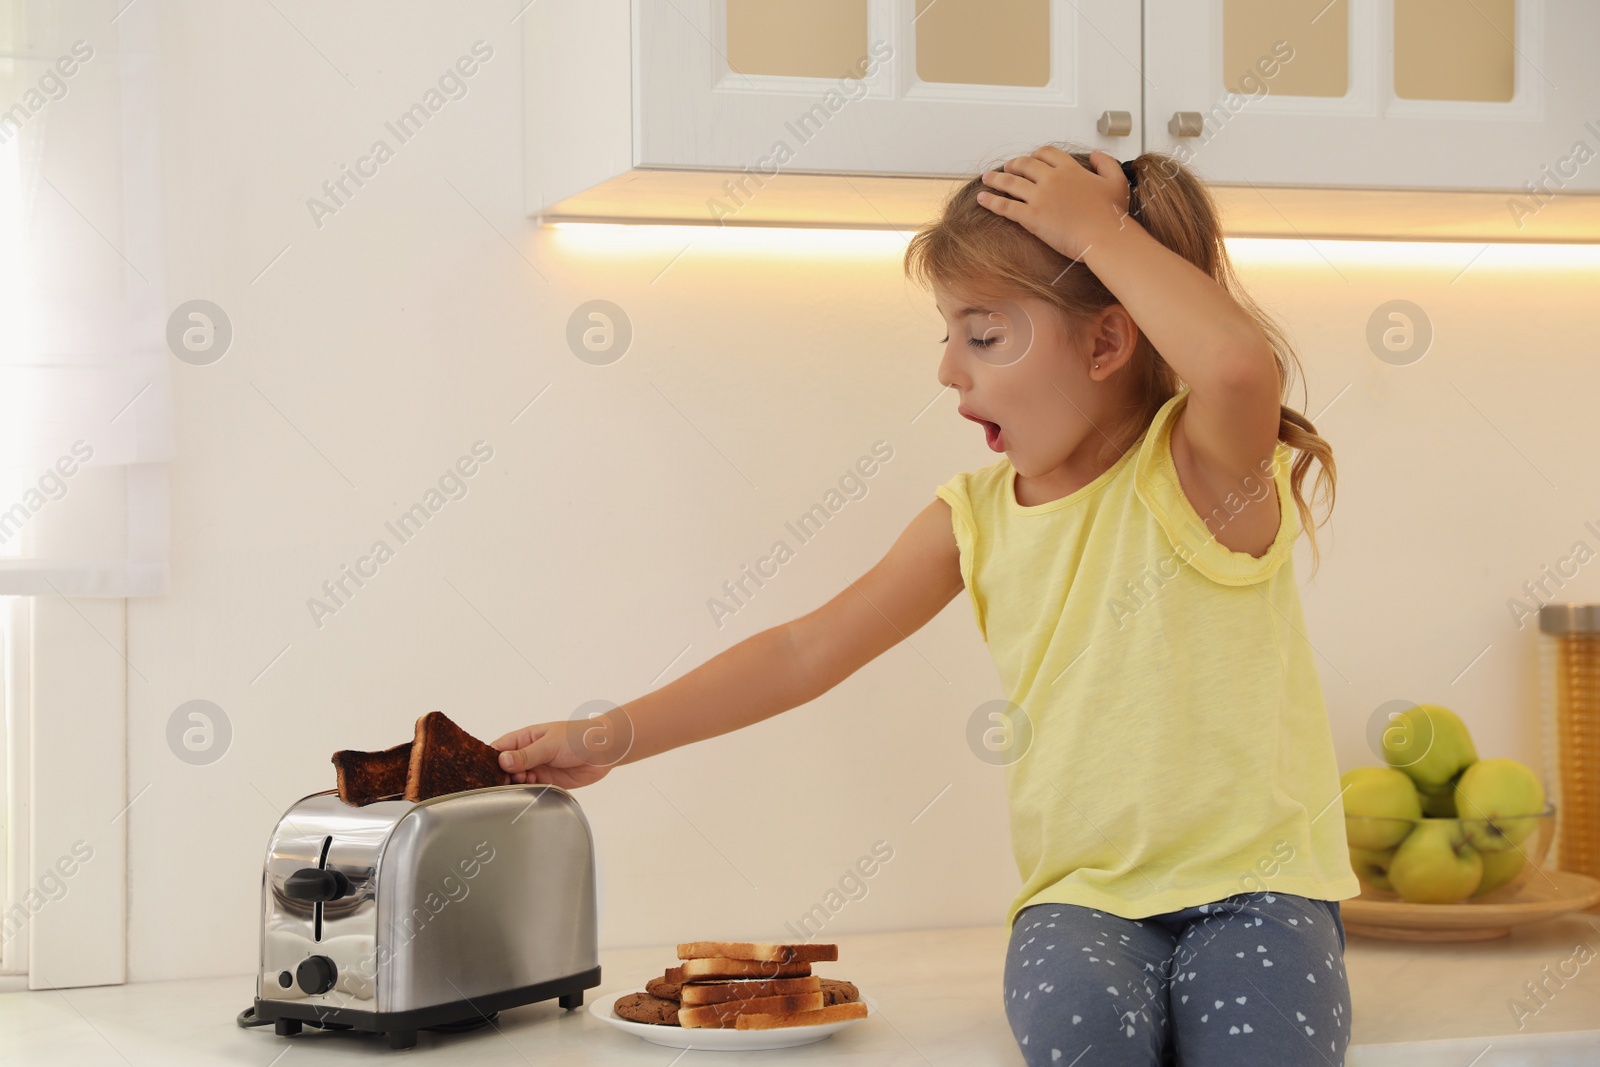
column 1180, row 751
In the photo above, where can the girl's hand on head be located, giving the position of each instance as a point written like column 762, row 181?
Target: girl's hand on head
column 554, row 753
column 1059, row 201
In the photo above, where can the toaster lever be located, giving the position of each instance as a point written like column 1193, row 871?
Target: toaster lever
column 312, row 884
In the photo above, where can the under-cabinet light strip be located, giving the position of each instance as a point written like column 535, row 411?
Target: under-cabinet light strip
column 627, row 239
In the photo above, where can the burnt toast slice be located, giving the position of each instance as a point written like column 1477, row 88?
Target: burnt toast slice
column 368, row 776
column 447, row 759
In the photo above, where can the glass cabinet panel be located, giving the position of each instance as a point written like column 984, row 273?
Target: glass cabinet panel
column 1454, row 49
column 815, row 39
column 983, row 42
column 1318, row 32
column 754, row 86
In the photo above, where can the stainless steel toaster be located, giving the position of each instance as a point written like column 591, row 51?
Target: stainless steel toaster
column 396, row 916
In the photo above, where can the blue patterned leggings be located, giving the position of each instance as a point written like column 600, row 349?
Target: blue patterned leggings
column 1255, row 979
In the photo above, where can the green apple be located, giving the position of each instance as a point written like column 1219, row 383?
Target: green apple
column 1442, row 806
column 1435, row 865
column 1431, row 744
column 1491, row 794
column 1499, row 868
column 1373, row 867
column 1378, row 793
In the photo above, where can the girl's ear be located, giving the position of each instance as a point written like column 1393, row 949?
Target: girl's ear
column 1113, row 335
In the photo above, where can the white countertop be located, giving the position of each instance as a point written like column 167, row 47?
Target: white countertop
column 936, row 995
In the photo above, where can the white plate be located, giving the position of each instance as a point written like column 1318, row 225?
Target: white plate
column 722, row 1038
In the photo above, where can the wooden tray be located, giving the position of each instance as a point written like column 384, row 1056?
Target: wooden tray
column 1538, row 895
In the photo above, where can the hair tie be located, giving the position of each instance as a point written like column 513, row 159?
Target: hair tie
column 1132, row 175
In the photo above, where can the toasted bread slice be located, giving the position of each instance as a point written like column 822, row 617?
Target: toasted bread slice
column 722, row 1016
column 368, row 776
column 694, row 994
column 717, row 968
column 447, row 759
column 757, row 950
column 673, row 975
column 833, row 1013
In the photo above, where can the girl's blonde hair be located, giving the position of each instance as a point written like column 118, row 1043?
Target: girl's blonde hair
column 971, row 248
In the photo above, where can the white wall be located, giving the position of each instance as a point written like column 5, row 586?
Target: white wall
column 427, row 312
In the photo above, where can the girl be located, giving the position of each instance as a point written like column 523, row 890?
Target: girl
column 1174, row 801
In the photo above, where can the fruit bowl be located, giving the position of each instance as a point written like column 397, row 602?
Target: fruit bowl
column 1509, row 856
column 1508, row 851
column 1449, row 847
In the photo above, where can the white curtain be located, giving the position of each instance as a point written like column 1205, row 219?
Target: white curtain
column 85, row 397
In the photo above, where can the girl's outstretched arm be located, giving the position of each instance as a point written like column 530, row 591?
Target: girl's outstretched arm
column 773, row 671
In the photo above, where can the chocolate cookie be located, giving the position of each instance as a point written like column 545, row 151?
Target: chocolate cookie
column 662, row 988
column 838, row 991
column 647, row 1008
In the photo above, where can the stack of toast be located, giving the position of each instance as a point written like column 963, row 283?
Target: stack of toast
column 440, row 758
column 743, row 985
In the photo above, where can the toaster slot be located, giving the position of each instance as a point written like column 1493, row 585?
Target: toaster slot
column 316, row 909
column 314, row 886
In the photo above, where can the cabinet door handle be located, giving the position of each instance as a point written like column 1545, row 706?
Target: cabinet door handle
column 1115, row 123
column 1186, row 124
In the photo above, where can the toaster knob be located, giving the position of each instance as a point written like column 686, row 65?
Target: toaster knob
column 313, row 884
column 316, row 974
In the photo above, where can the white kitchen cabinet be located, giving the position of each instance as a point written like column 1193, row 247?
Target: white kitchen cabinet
column 729, row 110
column 1415, row 119
column 1398, row 94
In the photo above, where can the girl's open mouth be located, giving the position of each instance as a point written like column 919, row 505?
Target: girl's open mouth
column 991, row 430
